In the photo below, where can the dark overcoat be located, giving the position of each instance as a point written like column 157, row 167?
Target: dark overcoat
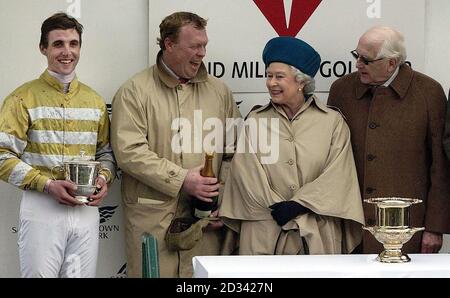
column 396, row 135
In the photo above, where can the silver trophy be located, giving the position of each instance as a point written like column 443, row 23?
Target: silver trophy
column 83, row 173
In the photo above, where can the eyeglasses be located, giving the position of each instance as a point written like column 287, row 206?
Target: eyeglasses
column 363, row 59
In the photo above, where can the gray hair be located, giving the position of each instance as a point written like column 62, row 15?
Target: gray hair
column 310, row 82
column 393, row 44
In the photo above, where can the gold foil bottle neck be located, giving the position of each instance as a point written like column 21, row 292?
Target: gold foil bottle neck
column 207, row 170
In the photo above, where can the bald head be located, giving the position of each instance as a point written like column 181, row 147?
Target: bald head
column 386, row 42
column 380, row 52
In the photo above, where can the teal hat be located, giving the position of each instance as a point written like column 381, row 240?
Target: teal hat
column 292, row 51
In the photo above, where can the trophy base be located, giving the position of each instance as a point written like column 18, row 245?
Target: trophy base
column 395, row 256
column 83, row 192
column 82, row 199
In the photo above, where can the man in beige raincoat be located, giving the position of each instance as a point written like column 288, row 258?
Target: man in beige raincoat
column 306, row 201
column 158, row 130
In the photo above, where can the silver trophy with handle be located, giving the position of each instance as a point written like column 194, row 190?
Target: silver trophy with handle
column 83, row 173
column 392, row 227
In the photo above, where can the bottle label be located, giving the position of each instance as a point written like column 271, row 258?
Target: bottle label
column 201, row 213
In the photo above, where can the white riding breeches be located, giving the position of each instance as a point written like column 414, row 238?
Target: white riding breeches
column 57, row 240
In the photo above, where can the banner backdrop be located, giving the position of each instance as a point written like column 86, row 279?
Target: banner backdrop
column 238, row 31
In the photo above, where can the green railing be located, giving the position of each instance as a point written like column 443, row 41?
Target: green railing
column 150, row 258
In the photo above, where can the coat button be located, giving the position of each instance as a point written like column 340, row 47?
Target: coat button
column 290, row 162
column 167, row 180
column 293, row 187
column 291, row 139
column 171, row 173
column 373, row 125
column 370, row 190
column 371, row 157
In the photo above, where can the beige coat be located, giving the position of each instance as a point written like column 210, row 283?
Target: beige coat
column 315, row 168
column 153, row 173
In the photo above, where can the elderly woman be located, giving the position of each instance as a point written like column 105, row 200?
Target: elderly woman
column 308, row 200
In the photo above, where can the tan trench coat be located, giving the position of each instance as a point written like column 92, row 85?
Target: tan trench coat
column 315, row 168
column 143, row 111
column 397, row 141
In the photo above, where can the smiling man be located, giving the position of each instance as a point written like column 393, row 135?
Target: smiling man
column 161, row 183
column 44, row 123
column 396, row 118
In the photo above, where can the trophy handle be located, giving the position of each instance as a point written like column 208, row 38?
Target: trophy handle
column 59, row 168
column 414, row 230
column 370, row 229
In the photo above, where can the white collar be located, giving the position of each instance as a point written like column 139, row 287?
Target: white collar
column 388, row 82
column 64, row 79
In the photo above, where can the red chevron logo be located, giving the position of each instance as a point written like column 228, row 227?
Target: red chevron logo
column 274, row 11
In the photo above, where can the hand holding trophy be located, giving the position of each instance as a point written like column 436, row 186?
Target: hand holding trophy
column 83, row 173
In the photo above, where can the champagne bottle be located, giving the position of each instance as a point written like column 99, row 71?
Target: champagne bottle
column 201, row 208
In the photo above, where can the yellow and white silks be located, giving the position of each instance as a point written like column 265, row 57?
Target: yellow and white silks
column 41, row 127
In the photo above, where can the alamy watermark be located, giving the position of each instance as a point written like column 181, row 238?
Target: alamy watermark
column 74, row 267
column 259, row 136
column 374, row 9
column 74, row 9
